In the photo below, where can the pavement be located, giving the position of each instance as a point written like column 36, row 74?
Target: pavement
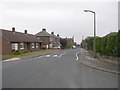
column 96, row 63
column 60, row 69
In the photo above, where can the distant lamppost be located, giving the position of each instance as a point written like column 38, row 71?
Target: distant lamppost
column 94, row 30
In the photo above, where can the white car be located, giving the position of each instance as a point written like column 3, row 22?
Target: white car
column 74, row 47
column 58, row 47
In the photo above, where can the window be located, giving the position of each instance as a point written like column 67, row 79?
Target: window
column 37, row 45
column 33, row 45
column 38, row 37
column 21, row 45
column 14, row 46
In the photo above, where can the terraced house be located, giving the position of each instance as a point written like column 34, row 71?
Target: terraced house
column 12, row 40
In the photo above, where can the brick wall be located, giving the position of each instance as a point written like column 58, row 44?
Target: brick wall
column 6, row 46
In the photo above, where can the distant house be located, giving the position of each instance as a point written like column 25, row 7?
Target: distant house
column 54, row 40
column 45, row 37
column 67, row 42
column 12, row 40
column 49, row 40
column 70, row 42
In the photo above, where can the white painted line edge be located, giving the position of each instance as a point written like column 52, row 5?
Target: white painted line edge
column 77, row 56
column 61, row 55
column 55, row 55
column 47, row 55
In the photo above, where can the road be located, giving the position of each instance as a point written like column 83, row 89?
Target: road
column 61, row 69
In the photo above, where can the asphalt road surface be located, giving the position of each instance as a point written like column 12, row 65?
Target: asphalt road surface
column 61, row 69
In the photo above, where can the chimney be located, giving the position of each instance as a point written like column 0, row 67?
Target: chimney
column 52, row 33
column 25, row 31
column 13, row 29
column 43, row 29
column 58, row 35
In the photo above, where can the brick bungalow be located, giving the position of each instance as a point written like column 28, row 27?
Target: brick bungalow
column 12, row 40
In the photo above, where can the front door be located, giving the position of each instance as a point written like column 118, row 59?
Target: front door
column 28, row 46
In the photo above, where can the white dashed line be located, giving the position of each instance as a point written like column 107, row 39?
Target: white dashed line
column 40, row 56
column 55, row 55
column 77, row 56
column 61, row 55
column 47, row 55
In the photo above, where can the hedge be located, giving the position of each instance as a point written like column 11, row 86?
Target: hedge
column 107, row 45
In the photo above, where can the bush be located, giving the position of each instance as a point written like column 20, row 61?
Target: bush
column 43, row 48
column 90, row 41
column 17, row 52
column 98, row 44
column 108, row 45
column 103, row 45
column 118, row 43
column 111, row 43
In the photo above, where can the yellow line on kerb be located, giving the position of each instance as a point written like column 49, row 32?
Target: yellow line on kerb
column 11, row 59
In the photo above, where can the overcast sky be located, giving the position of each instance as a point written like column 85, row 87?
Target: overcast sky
column 64, row 17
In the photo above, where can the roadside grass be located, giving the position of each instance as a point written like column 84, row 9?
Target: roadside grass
column 105, row 58
column 24, row 54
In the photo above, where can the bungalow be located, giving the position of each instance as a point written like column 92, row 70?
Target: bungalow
column 12, row 40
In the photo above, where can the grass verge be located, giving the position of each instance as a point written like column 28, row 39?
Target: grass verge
column 23, row 54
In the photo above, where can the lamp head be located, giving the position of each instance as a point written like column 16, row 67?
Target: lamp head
column 85, row 10
column 89, row 11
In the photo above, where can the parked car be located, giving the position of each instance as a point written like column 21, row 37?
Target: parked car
column 74, row 47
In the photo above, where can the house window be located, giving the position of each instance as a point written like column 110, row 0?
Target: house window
column 37, row 45
column 14, row 46
column 38, row 37
column 33, row 45
column 21, row 45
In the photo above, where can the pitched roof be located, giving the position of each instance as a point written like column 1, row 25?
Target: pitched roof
column 18, row 36
column 54, row 36
column 43, row 33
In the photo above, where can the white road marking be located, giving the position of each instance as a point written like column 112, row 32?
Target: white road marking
column 89, row 58
column 55, row 55
column 90, row 70
column 77, row 56
column 61, row 55
column 47, row 55
column 40, row 56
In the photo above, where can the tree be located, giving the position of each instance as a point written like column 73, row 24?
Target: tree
column 63, row 42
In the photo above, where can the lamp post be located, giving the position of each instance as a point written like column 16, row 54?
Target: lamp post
column 94, row 30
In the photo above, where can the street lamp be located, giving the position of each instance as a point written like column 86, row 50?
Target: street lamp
column 94, row 30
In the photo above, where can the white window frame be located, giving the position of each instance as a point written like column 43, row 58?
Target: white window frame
column 33, row 45
column 38, row 37
column 37, row 45
column 14, row 46
column 21, row 45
